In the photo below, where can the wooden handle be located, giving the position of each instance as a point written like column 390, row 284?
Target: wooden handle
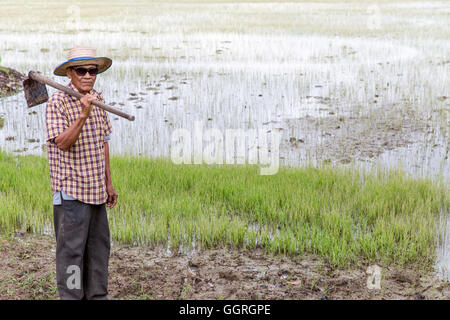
column 37, row 77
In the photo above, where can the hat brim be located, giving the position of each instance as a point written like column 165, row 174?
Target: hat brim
column 103, row 64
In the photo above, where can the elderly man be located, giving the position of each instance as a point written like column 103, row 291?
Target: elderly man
column 78, row 155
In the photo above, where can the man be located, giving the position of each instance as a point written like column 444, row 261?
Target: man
column 78, row 155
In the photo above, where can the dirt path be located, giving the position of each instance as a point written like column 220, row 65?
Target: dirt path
column 28, row 261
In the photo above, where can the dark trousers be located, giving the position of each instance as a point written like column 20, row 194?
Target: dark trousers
column 82, row 250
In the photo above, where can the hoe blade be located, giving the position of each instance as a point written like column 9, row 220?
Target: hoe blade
column 35, row 92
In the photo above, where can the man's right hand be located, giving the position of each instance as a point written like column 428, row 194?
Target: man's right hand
column 70, row 135
column 86, row 104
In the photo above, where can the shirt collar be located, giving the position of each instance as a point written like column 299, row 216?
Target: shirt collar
column 71, row 86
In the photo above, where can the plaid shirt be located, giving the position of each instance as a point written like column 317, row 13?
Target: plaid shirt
column 80, row 171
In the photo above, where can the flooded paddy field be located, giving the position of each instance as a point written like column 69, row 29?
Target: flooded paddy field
column 365, row 90
column 373, row 94
column 346, row 83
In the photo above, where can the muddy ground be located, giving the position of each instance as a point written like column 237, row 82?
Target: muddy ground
column 27, row 271
column 343, row 138
column 10, row 81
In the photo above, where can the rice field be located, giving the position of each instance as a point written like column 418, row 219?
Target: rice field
column 342, row 215
column 352, row 88
column 352, row 81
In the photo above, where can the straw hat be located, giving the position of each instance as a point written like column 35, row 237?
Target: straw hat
column 80, row 56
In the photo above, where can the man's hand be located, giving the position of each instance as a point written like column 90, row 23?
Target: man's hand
column 86, row 103
column 112, row 196
column 68, row 138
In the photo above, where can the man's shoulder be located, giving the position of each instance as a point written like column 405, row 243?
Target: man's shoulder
column 56, row 98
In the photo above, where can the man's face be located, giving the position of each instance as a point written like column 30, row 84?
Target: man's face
column 83, row 83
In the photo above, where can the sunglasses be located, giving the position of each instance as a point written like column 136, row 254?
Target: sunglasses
column 82, row 71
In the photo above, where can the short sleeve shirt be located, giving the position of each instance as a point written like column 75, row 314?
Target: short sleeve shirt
column 79, row 171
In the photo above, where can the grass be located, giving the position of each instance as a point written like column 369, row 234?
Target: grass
column 341, row 215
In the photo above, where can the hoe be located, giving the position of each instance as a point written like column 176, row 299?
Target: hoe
column 36, row 93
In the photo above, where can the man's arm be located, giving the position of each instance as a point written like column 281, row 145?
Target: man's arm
column 112, row 194
column 68, row 138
